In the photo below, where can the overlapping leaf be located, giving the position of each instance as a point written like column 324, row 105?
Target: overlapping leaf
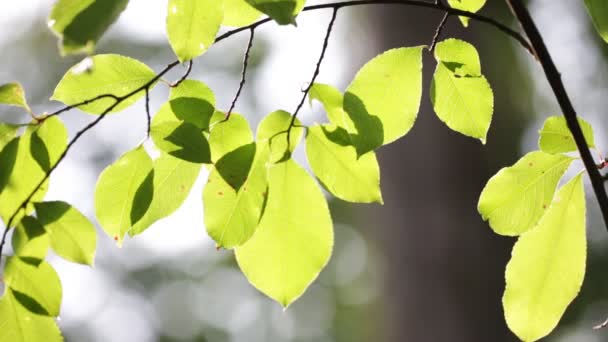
column 516, row 197
column 467, row 5
column 273, row 132
column 555, row 136
column 106, row 75
column 80, row 23
column 227, row 135
column 72, row 236
column 547, row 267
column 239, row 13
column 21, row 325
column 30, row 240
column 282, row 11
column 181, row 140
column 12, row 94
column 293, row 241
column 332, row 100
column 192, row 26
column 461, row 95
column 598, row 10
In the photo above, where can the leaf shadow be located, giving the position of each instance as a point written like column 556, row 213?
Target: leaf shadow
column 369, row 129
column 193, row 110
column 143, row 198
column 234, row 166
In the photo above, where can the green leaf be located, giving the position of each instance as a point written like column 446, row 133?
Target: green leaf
column 12, row 94
column 467, row 5
column 37, row 284
column 239, row 13
column 272, row 131
column 517, row 197
column 181, row 140
column 71, row 234
column 335, row 162
column 30, row 240
column 294, row 239
column 228, row 135
column 284, row 12
column 192, row 26
column 24, row 162
column 461, row 96
column 7, row 133
column 555, row 137
column 332, row 100
column 547, row 266
column 80, row 23
column 108, row 75
column 232, row 212
column 381, row 113
column 115, row 194
column 21, row 325
column 173, row 179
column 598, row 10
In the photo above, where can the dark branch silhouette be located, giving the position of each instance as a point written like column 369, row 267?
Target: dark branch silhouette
column 438, row 31
column 243, row 74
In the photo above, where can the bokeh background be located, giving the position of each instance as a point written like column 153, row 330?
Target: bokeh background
column 423, row 267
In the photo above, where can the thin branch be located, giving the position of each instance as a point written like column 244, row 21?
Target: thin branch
column 438, row 31
column 601, row 325
column 243, row 74
column 438, row 6
column 553, row 76
column 78, row 135
column 148, row 116
column 83, row 103
column 184, row 77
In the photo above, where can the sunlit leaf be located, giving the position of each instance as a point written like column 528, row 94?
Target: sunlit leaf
column 108, row 75
column 37, row 283
column 80, row 23
column 7, row 133
column 24, row 163
column 293, row 242
column 467, row 5
column 116, row 191
column 555, row 136
column 71, row 234
column 332, row 100
column 516, row 197
column 384, row 98
column 30, row 239
column 598, row 9
column 173, row 179
column 461, row 96
column 547, row 266
column 335, row 162
column 232, row 212
column 21, row 325
column 181, row 140
column 239, row 13
column 283, row 12
column 192, row 26
column 228, row 135
column 12, row 94
column 273, row 132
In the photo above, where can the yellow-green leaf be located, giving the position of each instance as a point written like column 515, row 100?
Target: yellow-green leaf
column 284, row 12
column 555, row 136
column 228, row 135
column 239, row 13
column 547, row 266
column 517, row 196
column 294, row 239
column 192, row 26
column 332, row 100
column 467, row 5
column 272, row 131
column 21, row 325
column 30, row 240
column 598, row 10
column 12, row 94
column 181, row 140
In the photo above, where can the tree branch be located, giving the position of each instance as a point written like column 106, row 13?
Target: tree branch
column 438, row 31
column 183, row 78
column 243, row 74
column 553, row 76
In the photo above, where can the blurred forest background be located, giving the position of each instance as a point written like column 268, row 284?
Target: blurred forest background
column 423, row 267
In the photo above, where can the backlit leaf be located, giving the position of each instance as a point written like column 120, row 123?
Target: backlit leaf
column 293, row 242
column 461, row 96
column 272, row 131
column 598, row 9
column 30, row 240
column 181, row 140
column 282, row 11
column 335, row 162
column 332, row 100
column 239, row 13
column 37, row 283
column 517, row 197
column 228, row 135
column 115, row 194
column 21, row 325
column 467, row 5
column 192, row 26
column 384, row 98
column 555, row 137
column 71, row 234
column 7, row 133
column 547, row 266
column 109, row 74
column 12, row 94
column 80, row 23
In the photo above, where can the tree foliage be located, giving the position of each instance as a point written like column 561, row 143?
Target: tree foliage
column 259, row 201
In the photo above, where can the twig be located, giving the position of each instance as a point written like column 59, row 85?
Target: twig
column 83, row 103
column 438, row 31
column 78, row 135
column 184, row 77
column 553, row 76
column 243, row 74
column 148, row 116
column 330, row 27
column 438, row 6
column 601, row 325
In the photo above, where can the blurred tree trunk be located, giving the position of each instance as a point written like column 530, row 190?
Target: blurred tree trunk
column 445, row 267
